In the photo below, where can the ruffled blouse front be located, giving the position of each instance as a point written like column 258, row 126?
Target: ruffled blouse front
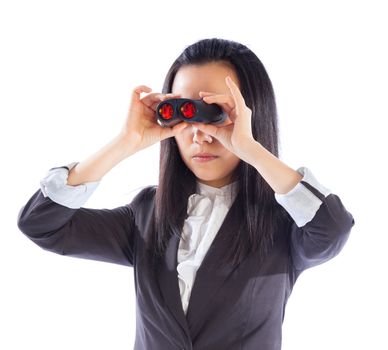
column 206, row 211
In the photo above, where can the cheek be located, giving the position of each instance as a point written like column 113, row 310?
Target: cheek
column 233, row 161
column 180, row 141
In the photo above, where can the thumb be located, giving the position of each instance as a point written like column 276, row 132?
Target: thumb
column 210, row 129
column 175, row 130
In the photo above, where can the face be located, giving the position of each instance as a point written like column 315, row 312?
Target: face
column 188, row 82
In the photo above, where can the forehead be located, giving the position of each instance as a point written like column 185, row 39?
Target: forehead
column 191, row 79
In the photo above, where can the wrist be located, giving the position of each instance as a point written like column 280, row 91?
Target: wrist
column 248, row 150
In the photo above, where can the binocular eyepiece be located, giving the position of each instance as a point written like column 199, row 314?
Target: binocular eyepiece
column 172, row 111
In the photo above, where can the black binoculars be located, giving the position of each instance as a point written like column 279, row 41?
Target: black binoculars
column 172, row 111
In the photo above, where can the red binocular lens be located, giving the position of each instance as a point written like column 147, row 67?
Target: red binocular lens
column 187, row 109
column 166, row 111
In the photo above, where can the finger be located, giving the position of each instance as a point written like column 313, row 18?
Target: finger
column 135, row 97
column 176, row 129
column 169, row 95
column 225, row 101
column 205, row 93
column 238, row 97
column 163, row 98
column 135, row 101
column 222, row 99
column 180, row 126
column 210, row 129
column 152, row 100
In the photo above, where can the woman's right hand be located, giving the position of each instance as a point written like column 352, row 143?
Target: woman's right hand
column 141, row 128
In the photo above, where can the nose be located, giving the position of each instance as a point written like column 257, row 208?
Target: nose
column 199, row 136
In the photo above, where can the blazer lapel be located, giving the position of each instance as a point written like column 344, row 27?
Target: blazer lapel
column 168, row 282
column 208, row 280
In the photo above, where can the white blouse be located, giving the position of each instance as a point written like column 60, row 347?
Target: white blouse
column 206, row 211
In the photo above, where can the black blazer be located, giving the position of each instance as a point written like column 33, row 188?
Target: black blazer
column 229, row 308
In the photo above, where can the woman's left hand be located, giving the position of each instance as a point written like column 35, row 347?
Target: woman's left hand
column 237, row 134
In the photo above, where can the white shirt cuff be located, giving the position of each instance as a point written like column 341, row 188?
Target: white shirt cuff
column 54, row 185
column 303, row 202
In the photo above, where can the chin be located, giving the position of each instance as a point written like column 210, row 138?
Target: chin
column 208, row 177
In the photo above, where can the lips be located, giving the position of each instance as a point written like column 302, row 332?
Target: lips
column 204, row 155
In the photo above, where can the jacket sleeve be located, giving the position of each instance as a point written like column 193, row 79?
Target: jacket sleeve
column 97, row 234
column 321, row 224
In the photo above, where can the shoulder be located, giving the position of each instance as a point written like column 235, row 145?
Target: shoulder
column 144, row 197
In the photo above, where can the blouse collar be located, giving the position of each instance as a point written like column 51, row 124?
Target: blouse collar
column 212, row 191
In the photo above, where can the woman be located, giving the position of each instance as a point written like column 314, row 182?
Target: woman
column 227, row 213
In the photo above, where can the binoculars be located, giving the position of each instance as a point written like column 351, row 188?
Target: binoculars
column 172, row 111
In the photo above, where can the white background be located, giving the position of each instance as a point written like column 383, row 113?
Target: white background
column 67, row 71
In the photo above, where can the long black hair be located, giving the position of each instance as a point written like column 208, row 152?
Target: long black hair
column 177, row 182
